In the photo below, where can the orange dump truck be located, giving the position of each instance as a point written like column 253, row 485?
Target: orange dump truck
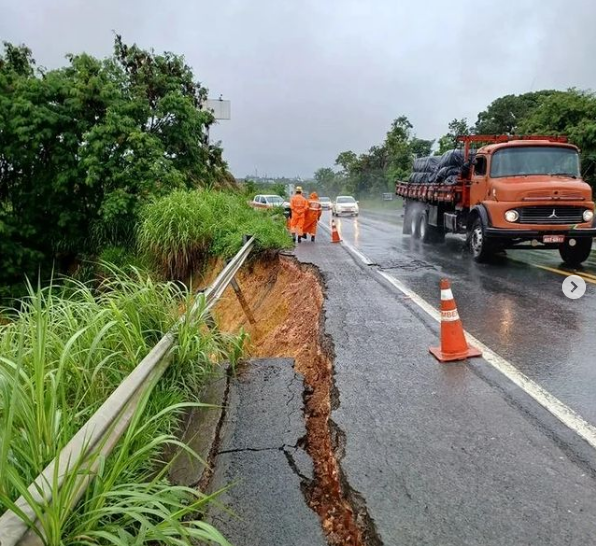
column 513, row 192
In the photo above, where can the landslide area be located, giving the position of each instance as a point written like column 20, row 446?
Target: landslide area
column 286, row 299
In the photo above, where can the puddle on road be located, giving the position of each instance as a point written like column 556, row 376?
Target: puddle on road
column 286, row 298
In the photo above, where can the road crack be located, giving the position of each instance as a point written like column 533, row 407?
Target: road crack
column 343, row 510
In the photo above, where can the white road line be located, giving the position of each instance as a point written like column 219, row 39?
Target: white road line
column 361, row 256
column 551, row 403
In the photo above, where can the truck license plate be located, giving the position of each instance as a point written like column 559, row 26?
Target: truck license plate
column 554, row 239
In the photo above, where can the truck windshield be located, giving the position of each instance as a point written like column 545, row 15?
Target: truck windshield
column 532, row 160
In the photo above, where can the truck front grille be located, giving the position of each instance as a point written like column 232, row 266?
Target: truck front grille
column 551, row 215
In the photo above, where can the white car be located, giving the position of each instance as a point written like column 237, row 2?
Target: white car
column 267, row 201
column 325, row 203
column 345, row 204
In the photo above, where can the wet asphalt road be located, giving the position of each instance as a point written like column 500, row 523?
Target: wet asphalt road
column 515, row 305
column 430, row 453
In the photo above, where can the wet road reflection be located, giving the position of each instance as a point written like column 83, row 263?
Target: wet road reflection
column 514, row 305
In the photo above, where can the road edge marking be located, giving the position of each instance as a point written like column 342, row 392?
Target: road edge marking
column 570, row 418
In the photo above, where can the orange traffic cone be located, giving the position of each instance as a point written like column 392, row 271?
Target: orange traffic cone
column 335, row 238
column 453, row 341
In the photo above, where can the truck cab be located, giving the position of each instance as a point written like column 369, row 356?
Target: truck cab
column 530, row 192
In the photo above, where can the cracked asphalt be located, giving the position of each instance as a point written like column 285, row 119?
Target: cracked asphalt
column 260, row 461
column 449, row 454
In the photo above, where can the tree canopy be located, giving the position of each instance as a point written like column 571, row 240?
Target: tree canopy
column 84, row 146
column 376, row 170
column 571, row 113
column 504, row 115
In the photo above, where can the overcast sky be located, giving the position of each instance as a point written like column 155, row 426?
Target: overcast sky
column 310, row 78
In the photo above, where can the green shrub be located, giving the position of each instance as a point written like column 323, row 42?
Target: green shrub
column 179, row 231
column 121, row 257
column 62, row 353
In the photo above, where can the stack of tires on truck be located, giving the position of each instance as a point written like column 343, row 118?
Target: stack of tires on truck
column 512, row 192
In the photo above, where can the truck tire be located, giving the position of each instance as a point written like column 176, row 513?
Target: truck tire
column 575, row 255
column 429, row 234
column 480, row 247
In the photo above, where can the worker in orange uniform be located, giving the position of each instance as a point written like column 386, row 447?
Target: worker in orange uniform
column 298, row 206
column 312, row 216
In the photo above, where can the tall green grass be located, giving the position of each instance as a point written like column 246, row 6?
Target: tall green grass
column 181, row 230
column 62, row 353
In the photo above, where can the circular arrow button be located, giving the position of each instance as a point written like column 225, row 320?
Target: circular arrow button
column 574, row 287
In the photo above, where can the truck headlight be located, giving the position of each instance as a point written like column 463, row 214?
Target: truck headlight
column 512, row 216
column 588, row 215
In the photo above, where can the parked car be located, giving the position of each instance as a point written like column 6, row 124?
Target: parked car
column 267, row 201
column 326, row 203
column 345, row 204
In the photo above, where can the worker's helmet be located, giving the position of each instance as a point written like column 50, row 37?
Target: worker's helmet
column 298, row 189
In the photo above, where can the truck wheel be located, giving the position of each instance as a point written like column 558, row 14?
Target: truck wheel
column 479, row 246
column 428, row 233
column 577, row 254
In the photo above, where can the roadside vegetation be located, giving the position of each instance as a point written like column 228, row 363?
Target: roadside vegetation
column 83, row 147
column 180, row 231
column 110, row 187
column 369, row 174
column 63, row 352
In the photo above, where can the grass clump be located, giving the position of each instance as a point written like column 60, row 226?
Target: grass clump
column 62, row 353
column 180, row 231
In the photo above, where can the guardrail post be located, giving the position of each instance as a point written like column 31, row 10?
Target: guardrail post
column 243, row 302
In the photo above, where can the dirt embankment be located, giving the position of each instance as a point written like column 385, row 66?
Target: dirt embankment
column 286, row 299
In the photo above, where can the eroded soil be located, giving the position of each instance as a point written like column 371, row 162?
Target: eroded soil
column 286, row 299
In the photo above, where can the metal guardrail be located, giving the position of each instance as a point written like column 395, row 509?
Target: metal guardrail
column 103, row 430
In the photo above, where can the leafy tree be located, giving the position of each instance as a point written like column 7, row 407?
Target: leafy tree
column 398, row 150
column 371, row 172
column 571, row 113
column 328, row 182
column 456, row 127
column 420, row 147
column 84, row 146
column 325, row 176
column 346, row 160
column 376, row 170
column 504, row 115
column 346, row 181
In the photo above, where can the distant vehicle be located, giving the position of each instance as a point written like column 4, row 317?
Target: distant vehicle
column 387, row 197
column 345, row 204
column 326, row 203
column 267, row 201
